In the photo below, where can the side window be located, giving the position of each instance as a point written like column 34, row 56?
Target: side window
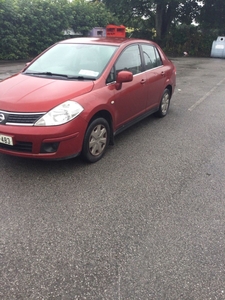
column 158, row 58
column 129, row 60
column 151, row 57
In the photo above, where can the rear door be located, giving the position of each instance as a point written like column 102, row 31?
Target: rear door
column 155, row 75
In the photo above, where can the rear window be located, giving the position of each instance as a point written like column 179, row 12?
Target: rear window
column 151, row 55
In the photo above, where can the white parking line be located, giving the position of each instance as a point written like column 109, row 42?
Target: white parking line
column 206, row 95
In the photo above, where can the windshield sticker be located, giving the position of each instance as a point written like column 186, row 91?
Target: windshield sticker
column 88, row 73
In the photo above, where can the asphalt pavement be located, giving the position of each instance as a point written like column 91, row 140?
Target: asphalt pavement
column 8, row 68
column 146, row 222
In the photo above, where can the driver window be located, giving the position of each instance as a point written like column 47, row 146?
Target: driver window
column 129, row 60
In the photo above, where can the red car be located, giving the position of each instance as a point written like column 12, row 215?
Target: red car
column 79, row 93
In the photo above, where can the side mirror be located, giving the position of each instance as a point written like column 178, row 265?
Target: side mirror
column 123, row 76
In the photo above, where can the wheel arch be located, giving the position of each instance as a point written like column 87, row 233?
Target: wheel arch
column 108, row 117
column 169, row 87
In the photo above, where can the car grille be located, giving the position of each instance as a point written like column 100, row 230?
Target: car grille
column 19, row 146
column 21, row 119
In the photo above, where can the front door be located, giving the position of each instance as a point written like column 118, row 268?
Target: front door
column 130, row 100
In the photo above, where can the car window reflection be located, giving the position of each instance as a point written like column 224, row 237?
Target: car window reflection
column 129, row 60
column 151, row 57
column 73, row 60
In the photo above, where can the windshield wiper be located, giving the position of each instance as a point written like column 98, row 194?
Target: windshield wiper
column 46, row 73
column 60, row 75
column 80, row 77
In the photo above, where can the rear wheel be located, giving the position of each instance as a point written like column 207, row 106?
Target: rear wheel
column 164, row 104
column 96, row 140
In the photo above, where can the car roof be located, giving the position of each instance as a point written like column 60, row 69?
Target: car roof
column 104, row 41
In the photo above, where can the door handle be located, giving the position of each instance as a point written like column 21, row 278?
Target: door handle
column 163, row 73
column 143, row 81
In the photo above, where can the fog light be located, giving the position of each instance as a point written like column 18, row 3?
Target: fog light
column 49, row 147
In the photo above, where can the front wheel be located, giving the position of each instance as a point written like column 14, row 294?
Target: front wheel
column 96, row 140
column 164, row 104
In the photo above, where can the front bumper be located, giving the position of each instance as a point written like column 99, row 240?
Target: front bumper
column 55, row 142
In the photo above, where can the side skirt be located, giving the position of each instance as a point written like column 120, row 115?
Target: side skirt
column 136, row 120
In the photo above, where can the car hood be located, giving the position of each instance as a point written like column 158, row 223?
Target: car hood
column 22, row 93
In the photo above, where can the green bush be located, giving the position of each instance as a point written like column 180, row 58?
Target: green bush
column 27, row 27
column 189, row 39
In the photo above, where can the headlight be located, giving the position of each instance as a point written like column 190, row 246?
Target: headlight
column 61, row 114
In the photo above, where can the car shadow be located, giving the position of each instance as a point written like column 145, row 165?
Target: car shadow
column 14, row 164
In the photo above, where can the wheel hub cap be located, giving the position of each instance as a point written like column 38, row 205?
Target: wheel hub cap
column 165, row 103
column 98, row 140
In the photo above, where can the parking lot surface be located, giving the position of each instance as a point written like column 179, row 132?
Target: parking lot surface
column 9, row 68
column 145, row 222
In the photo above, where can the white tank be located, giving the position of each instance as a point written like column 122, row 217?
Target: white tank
column 218, row 47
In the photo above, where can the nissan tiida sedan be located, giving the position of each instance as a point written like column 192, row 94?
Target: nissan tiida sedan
column 76, row 96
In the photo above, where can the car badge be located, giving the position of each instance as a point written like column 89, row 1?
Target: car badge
column 2, row 118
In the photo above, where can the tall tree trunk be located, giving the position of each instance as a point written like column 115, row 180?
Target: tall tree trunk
column 159, row 21
column 165, row 13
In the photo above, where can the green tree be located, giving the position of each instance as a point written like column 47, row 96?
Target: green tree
column 86, row 15
column 171, row 12
column 13, row 44
column 127, row 10
column 27, row 27
column 43, row 22
column 162, row 13
column 212, row 15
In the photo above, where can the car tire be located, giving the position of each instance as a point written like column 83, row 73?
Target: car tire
column 96, row 140
column 164, row 104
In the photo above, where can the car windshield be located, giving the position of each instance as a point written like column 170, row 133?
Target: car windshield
column 72, row 61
